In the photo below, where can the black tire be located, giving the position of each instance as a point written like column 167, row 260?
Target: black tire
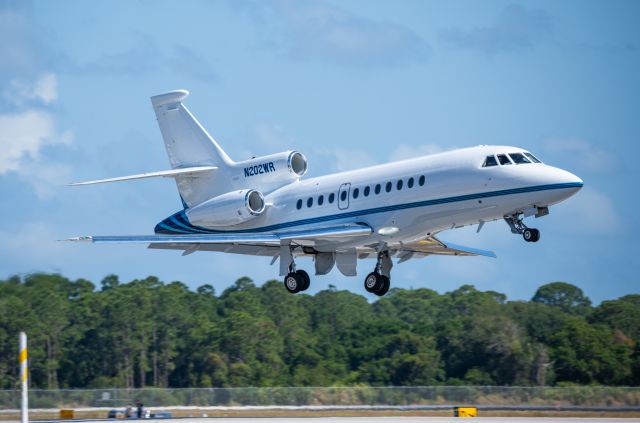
column 386, row 284
column 306, row 280
column 536, row 235
column 293, row 282
column 373, row 282
column 528, row 235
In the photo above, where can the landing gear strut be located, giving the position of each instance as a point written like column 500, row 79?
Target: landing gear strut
column 296, row 280
column 378, row 281
column 518, row 227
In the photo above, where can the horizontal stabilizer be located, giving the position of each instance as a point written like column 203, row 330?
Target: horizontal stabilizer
column 163, row 173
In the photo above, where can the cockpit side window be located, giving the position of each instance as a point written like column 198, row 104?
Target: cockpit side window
column 518, row 158
column 490, row 161
column 503, row 159
column 532, row 157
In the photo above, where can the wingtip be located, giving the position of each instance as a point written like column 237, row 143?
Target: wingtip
column 86, row 238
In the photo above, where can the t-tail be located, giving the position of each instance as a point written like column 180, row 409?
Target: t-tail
column 189, row 145
column 207, row 179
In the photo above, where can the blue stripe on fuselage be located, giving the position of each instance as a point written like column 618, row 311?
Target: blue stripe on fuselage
column 178, row 223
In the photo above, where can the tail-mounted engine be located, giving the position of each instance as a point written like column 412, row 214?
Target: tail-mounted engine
column 235, row 207
column 274, row 168
column 228, row 209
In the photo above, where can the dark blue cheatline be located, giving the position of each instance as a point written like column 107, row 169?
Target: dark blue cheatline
column 179, row 224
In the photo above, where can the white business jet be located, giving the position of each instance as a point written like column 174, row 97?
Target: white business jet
column 264, row 207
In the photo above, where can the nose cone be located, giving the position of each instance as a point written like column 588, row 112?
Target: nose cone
column 564, row 184
column 571, row 180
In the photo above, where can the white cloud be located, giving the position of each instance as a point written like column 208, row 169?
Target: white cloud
column 24, row 134
column 45, row 90
column 405, row 151
column 45, row 177
column 273, row 137
column 582, row 154
column 305, row 30
column 516, row 28
column 343, row 160
column 590, row 211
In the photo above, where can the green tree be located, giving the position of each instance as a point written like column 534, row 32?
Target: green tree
column 568, row 298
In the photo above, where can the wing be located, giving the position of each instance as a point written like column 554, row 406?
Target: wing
column 433, row 246
column 422, row 248
column 242, row 243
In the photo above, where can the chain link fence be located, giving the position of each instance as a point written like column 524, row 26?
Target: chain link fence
column 579, row 396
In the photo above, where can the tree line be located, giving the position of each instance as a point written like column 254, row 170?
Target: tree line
column 148, row 333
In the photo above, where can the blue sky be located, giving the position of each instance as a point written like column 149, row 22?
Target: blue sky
column 348, row 83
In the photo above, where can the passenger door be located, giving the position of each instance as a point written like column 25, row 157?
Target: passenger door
column 343, row 196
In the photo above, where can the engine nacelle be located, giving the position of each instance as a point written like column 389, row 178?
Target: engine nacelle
column 228, row 209
column 274, row 168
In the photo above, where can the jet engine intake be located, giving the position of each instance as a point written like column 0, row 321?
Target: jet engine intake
column 228, row 209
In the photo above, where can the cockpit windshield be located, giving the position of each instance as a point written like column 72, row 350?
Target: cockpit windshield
column 510, row 158
column 518, row 158
column 532, row 157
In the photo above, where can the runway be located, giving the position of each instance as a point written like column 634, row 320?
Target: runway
column 405, row 419
column 391, row 419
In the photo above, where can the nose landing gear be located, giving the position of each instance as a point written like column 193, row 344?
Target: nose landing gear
column 518, row 227
column 378, row 282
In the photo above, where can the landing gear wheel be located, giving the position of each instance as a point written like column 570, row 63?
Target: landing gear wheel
column 304, row 277
column 386, row 283
column 293, row 282
column 373, row 282
column 536, row 235
column 531, row 235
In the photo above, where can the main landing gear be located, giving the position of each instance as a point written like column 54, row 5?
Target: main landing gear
column 378, row 281
column 518, row 227
column 296, row 280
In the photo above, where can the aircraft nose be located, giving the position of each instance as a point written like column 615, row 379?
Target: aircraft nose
column 573, row 180
column 568, row 183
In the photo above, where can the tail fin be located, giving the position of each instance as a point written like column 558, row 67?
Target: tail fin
column 188, row 144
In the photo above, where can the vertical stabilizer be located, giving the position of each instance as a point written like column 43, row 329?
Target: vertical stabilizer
column 188, row 144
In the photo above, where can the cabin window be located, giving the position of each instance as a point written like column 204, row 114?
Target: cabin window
column 399, row 184
column 410, row 183
column 366, row 191
column 356, row 193
column 299, row 204
column 388, row 187
column 343, row 196
column 421, row 180
column 503, row 159
column 377, row 189
column 518, row 158
column 532, row 157
column 332, row 197
column 320, row 200
column 310, row 202
column 490, row 161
